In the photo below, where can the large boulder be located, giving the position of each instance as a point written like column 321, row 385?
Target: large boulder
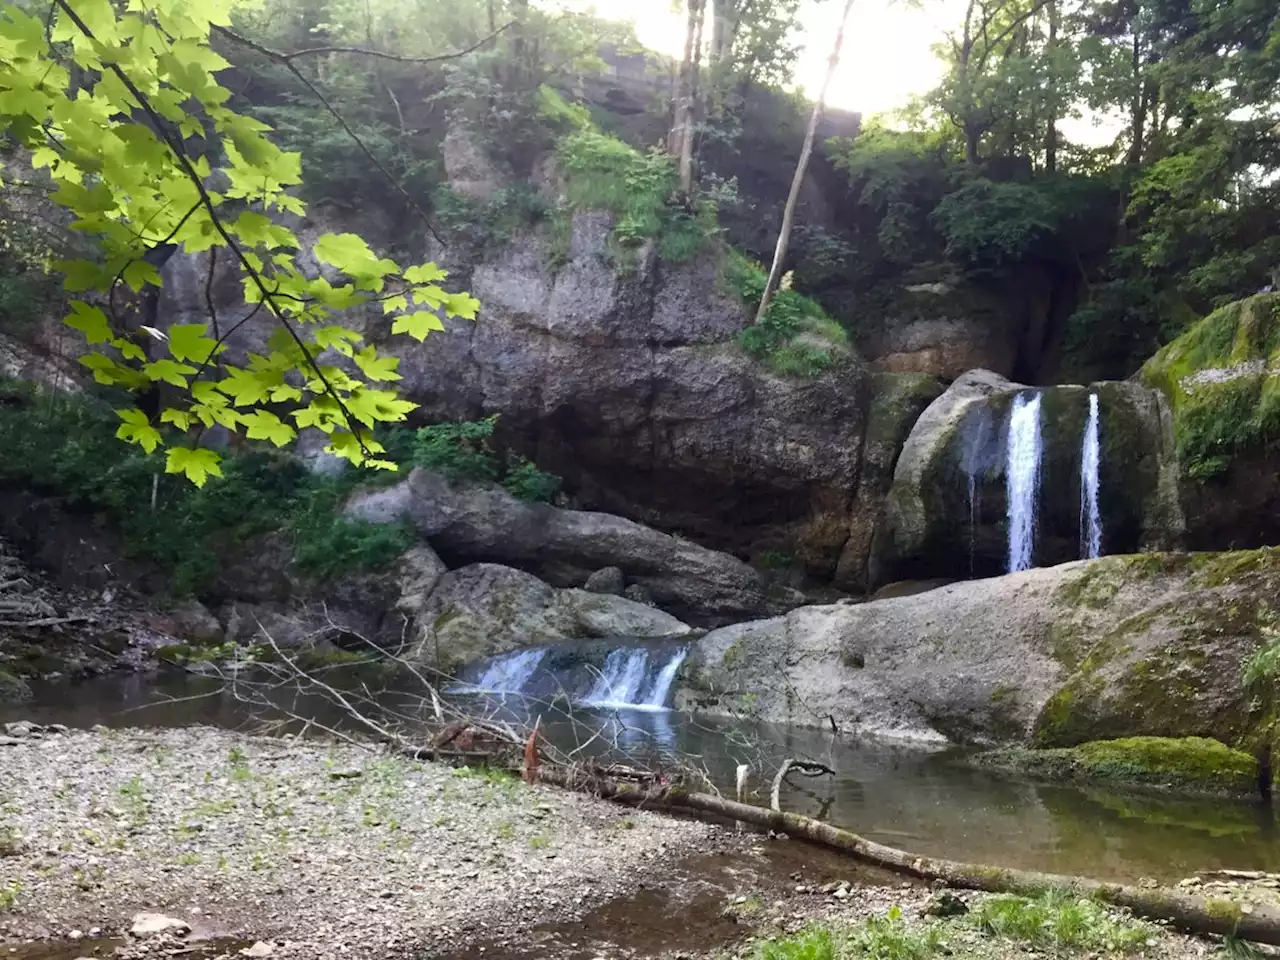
column 946, row 513
column 1222, row 381
column 486, row 609
column 483, row 522
column 1150, row 644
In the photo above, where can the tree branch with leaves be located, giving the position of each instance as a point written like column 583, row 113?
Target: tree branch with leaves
column 122, row 108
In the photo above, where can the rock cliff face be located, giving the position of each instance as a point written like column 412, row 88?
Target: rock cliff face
column 946, row 511
column 1150, row 644
column 626, row 380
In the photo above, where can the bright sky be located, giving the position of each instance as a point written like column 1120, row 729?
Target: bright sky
column 886, row 55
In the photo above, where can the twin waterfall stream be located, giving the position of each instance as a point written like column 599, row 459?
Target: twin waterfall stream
column 1024, row 453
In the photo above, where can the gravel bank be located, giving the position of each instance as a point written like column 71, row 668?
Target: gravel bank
column 325, row 848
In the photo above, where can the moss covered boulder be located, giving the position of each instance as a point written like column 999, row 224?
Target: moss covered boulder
column 946, row 511
column 1222, row 380
column 1194, row 763
column 1149, row 645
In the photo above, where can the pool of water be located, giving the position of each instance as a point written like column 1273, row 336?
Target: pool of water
column 929, row 802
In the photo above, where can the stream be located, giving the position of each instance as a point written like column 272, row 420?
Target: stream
column 926, row 801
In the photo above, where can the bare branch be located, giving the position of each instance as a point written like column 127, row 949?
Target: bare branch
column 281, row 57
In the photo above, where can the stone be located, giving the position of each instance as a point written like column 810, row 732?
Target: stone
column 1143, row 645
column 944, row 903
column 470, row 171
column 418, row 572
column 193, row 623
column 628, row 383
column 606, row 580
column 484, row 609
column 638, row 594
column 156, row 924
column 259, row 949
column 483, row 522
column 22, row 728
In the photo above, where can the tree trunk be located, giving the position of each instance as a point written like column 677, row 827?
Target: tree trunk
column 1051, row 132
column 802, row 169
column 1190, row 913
column 683, row 112
column 1138, row 112
column 686, row 139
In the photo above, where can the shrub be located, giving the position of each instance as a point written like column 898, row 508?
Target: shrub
column 65, row 446
column 796, row 338
column 462, row 452
column 604, row 173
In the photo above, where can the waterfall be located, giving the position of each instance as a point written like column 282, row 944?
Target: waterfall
column 973, row 461
column 1090, row 518
column 624, row 681
column 510, row 673
column 619, row 682
column 1022, row 479
column 657, row 697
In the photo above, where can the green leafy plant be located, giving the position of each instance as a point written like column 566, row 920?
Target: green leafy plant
column 461, row 451
column 128, row 131
column 890, row 938
column 796, row 338
column 1060, row 919
column 526, row 482
column 816, row 944
column 9, row 895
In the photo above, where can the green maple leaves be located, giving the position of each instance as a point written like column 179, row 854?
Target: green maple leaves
column 134, row 189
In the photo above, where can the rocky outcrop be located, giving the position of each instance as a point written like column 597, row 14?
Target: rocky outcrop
column 625, row 379
column 476, row 522
column 1146, row 645
column 1222, row 381
column 946, row 510
column 486, row 609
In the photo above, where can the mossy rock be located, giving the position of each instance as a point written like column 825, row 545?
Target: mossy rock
column 13, row 688
column 1196, row 763
column 1221, row 380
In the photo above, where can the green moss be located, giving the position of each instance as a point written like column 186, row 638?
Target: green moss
column 1219, row 569
column 1215, row 421
column 1189, row 762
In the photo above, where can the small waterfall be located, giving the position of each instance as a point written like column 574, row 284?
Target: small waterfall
column 1022, row 479
column 1090, row 518
column 624, row 681
column 657, row 698
column 619, row 683
column 510, row 673
column 973, row 461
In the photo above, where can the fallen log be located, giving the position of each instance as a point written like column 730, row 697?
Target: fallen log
column 1257, row 922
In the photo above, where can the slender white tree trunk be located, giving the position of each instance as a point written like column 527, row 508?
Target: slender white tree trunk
column 802, row 168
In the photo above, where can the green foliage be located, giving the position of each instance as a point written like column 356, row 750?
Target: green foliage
column 796, row 337
column 879, row 938
column 1059, row 919
column 604, row 173
column 463, row 452
column 526, row 482
column 890, row 938
column 128, row 133
column 989, row 226
column 63, row 446
column 816, row 944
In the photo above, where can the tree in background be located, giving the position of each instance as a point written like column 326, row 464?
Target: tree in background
column 802, row 170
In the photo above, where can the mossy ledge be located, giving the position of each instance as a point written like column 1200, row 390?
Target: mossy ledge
column 1187, row 763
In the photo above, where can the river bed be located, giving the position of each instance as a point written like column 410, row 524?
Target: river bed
column 926, row 801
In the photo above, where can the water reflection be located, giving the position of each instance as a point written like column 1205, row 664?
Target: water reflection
column 927, row 802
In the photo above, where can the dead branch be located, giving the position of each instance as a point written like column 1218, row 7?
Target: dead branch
column 808, row 768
